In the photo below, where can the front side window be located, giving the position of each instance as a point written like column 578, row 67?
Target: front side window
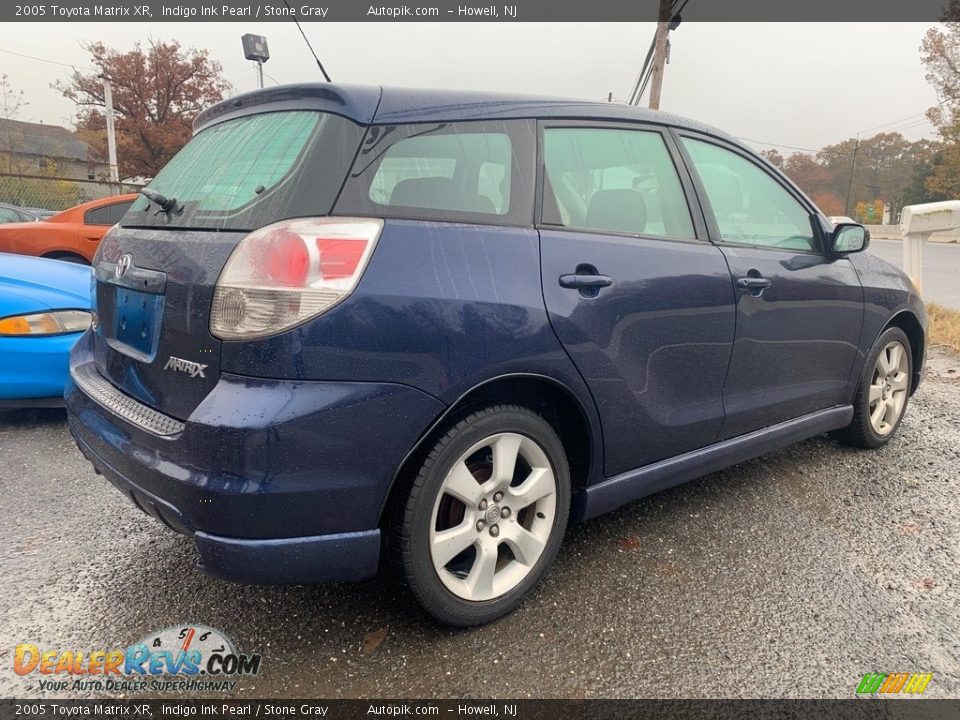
column 621, row 181
column 750, row 207
column 469, row 172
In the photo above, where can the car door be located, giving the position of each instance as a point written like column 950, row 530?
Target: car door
column 799, row 308
column 640, row 300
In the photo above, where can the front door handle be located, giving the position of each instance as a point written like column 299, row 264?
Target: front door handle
column 579, row 280
column 754, row 284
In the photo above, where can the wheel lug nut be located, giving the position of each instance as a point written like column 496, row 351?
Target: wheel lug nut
column 483, row 504
column 505, row 512
column 498, row 497
column 480, row 525
column 494, row 530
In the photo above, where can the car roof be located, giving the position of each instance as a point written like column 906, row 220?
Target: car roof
column 370, row 104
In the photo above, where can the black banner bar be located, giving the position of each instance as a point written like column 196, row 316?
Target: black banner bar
column 861, row 12
column 854, row 709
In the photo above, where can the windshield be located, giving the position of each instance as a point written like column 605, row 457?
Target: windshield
column 248, row 172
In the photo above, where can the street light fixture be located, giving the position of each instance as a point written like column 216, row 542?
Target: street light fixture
column 255, row 48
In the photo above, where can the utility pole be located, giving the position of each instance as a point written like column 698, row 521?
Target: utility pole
column 660, row 52
column 111, row 133
column 853, row 166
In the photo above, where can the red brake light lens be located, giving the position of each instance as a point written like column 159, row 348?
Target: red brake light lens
column 339, row 257
column 285, row 259
column 288, row 272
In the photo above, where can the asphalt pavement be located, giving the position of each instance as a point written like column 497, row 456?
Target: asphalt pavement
column 941, row 268
column 788, row 576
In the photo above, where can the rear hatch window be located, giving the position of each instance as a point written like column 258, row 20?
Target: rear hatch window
column 247, row 172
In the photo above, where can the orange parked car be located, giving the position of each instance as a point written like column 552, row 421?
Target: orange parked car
column 72, row 235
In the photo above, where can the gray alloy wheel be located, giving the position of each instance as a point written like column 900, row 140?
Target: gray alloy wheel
column 889, row 387
column 883, row 392
column 484, row 516
column 493, row 513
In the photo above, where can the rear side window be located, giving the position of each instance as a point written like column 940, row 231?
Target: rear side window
column 612, row 180
column 106, row 214
column 97, row 216
column 250, row 171
column 460, row 172
column 117, row 211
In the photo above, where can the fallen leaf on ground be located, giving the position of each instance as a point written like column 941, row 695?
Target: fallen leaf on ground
column 373, row 640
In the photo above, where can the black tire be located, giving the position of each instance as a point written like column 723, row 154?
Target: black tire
column 411, row 532
column 860, row 432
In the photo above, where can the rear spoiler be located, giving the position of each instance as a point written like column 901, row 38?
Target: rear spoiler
column 354, row 102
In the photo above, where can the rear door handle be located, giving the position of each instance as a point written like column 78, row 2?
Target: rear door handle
column 756, row 285
column 578, row 280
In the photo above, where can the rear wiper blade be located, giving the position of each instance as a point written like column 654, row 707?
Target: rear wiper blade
column 166, row 204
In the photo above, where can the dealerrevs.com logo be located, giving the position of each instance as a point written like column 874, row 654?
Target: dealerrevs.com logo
column 196, row 657
column 894, row 683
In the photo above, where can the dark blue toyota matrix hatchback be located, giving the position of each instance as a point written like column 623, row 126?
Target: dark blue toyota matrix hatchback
column 353, row 326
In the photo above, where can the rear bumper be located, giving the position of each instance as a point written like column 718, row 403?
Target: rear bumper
column 313, row 559
column 276, row 481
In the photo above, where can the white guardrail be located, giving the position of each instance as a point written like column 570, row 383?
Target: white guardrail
column 917, row 222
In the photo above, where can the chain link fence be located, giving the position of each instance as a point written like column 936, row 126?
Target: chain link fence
column 56, row 193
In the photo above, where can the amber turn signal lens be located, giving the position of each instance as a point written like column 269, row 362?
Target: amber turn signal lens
column 58, row 322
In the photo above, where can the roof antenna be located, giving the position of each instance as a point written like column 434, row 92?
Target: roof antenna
column 319, row 64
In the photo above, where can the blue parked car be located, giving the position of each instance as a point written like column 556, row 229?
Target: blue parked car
column 350, row 327
column 44, row 308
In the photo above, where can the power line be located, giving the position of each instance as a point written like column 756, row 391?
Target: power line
column 905, row 126
column 45, row 60
column 307, row 41
column 894, row 122
column 646, row 70
column 777, row 145
column 638, row 86
column 908, row 117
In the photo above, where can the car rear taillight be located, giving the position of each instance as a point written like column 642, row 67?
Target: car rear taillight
column 289, row 272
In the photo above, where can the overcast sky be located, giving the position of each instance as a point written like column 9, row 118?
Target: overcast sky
column 790, row 84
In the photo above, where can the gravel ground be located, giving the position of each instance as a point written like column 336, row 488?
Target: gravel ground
column 788, row 576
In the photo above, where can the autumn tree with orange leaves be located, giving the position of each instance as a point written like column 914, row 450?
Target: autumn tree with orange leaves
column 940, row 53
column 157, row 92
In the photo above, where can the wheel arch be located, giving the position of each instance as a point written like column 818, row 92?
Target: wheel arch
column 64, row 254
column 577, row 428
column 907, row 321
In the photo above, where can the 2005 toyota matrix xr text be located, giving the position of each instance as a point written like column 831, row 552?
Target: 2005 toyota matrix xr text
column 353, row 327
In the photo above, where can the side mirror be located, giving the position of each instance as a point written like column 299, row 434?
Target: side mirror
column 849, row 238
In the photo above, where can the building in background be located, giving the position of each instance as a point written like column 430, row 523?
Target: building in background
column 28, row 148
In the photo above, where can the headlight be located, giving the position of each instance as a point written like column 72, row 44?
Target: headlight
column 57, row 322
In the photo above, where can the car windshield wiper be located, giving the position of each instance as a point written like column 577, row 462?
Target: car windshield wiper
column 166, row 204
